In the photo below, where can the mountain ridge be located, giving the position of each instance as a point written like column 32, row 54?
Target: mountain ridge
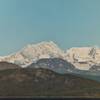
column 82, row 58
column 43, row 82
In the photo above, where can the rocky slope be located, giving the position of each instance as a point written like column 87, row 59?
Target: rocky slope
column 55, row 64
column 44, row 82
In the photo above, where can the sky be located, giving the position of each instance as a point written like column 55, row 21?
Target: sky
column 69, row 23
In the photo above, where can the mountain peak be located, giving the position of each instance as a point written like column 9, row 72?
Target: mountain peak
column 42, row 43
column 33, row 52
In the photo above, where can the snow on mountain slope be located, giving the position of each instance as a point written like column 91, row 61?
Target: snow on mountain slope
column 82, row 58
column 31, row 53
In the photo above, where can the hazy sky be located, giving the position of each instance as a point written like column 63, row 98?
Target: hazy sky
column 69, row 23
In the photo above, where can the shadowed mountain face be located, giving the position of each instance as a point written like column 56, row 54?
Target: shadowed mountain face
column 56, row 64
column 44, row 82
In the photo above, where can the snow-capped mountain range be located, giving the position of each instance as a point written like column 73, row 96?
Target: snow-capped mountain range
column 82, row 58
column 33, row 52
